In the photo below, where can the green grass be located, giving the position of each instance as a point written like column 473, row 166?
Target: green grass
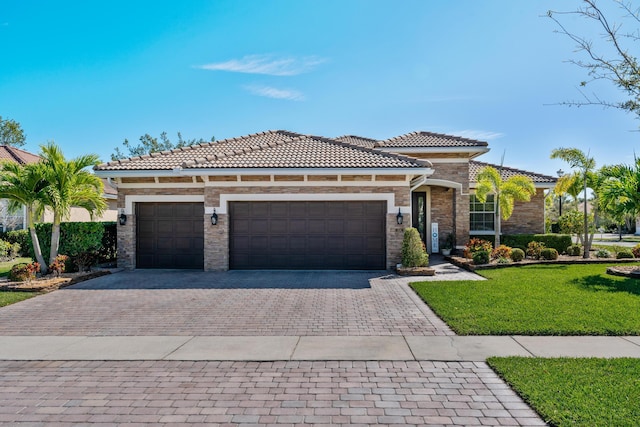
column 576, row 392
column 9, row 297
column 6, row 266
column 538, row 300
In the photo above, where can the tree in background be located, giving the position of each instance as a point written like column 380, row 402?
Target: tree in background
column 69, row 183
column 25, row 185
column 611, row 59
column 149, row 144
column 620, row 190
column 516, row 188
column 11, row 133
column 586, row 166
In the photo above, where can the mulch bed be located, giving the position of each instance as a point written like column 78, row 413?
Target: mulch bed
column 632, row 271
column 50, row 283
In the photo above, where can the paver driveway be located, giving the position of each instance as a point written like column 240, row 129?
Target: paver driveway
column 250, row 303
column 258, row 394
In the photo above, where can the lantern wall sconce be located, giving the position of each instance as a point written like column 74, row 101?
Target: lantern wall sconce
column 399, row 217
column 214, row 218
column 122, row 218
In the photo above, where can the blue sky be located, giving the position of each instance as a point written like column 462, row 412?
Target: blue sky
column 90, row 74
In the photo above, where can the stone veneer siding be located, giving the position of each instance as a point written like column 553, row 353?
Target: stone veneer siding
column 216, row 244
column 442, row 210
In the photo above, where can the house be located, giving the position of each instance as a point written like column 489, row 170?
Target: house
column 11, row 220
column 283, row 200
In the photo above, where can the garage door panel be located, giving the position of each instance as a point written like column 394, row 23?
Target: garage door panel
column 170, row 235
column 307, row 235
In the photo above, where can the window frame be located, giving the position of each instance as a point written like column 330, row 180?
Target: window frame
column 474, row 204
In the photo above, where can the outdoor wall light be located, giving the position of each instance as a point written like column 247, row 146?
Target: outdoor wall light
column 399, row 217
column 122, row 218
column 214, row 218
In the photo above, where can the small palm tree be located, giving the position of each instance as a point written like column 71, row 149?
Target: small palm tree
column 620, row 189
column 516, row 188
column 25, row 185
column 585, row 165
column 69, row 184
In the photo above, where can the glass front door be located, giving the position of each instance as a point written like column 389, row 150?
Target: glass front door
column 419, row 213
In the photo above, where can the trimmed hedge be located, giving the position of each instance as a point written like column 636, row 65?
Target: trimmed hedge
column 559, row 242
column 76, row 238
column 20, row 237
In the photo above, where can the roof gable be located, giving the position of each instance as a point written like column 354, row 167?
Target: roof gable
column 429, row 139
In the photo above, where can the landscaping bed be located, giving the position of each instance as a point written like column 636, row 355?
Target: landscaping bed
column 48, row 283
column 468, row 264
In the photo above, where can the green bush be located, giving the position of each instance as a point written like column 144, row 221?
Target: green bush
column 624, row 254
column 636, row 251
column 413, row 252
column 9, row 251
column 22, row 272
column 77, row 240
column 21, row 237
column 559, row 242
column 503, row 260
column 574, row 250
column 109, row 248
column 603, row 253
column 549, row 253
column 534, row 249
column 481, row 257
column 517, row 254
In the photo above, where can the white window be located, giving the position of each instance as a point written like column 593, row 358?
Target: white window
column 481, row 215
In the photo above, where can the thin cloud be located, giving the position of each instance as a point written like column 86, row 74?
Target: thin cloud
column 266, row 64
column 481, row 135
column 272, row 92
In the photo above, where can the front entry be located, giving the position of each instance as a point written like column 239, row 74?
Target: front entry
column 419, row 213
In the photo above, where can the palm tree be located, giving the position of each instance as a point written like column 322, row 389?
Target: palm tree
column 69, row 184
column 516, row 188
column 620, row 190
column 25, row 185
column 586, row 165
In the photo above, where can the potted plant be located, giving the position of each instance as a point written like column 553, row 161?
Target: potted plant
column 447, row 245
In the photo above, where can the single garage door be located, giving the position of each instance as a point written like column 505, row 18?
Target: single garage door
column 170, row 235
column 308, row 235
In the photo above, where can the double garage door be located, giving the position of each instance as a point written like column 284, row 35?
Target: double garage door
column 347, row 235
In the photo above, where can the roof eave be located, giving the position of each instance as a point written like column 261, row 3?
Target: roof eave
column 542, row 185
column 261, row 171
column 473, row 151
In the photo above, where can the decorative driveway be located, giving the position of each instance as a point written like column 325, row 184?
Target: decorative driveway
column 258, row 394
column 247, row 303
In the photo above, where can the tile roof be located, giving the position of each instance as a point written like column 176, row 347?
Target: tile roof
column 358, row 140
column 8, row 152
column 506, row 173
column 430, row 139
column 108, row 188
column 272, row 149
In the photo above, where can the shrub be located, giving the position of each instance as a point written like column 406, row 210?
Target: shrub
column 534, row 249
column 624, row 254
column 413, row 252
column 58, row 265
column 636, row 251
column 556, row 241
column 23, row 272
column 603, row 253
column 549, row 253
column 501, row 251
column 475, row 244
column 77, row 239
column 21, row 237
column 481, row 257
column 503, row 260
column 517, row 254
column 574, row 250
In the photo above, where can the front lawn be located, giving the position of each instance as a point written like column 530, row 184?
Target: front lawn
column 538, row 300
column 9, row 297
column 576, row 392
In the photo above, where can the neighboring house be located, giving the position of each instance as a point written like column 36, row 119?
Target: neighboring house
column 14, row 220
column 17, row 221
column 282, row 200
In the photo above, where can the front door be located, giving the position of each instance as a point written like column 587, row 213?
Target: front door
column 419, row 213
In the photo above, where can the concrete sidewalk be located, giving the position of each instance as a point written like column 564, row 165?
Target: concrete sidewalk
column 283, row 348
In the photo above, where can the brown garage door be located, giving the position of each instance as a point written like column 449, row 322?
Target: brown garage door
column 170, row 235
column 307, row 235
